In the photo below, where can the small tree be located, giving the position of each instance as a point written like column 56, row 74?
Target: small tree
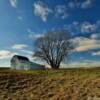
column 53, row 47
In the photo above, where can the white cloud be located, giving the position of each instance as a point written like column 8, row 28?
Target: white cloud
column 32, row 35
column 35, row 36
column 84, row 44
column 87, row 27
column 19, row 46
column 13, row 3
column 86, row 4
column 20, row 18
column 83, row 27
column 41, row 10
column 96, row 53
column 95, row 36
column 80, row 4
column 30, row 31
column 61, row 11
column 71, row 4
column 39, row 35
column 4, row 54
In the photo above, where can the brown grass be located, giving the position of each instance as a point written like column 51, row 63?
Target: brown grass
column 70, row 84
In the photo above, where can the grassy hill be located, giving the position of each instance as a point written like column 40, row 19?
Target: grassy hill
column 64, row 84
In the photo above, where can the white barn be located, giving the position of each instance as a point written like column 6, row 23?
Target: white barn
column 23, row 63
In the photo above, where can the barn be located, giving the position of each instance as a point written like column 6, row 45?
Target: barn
column 23, row 63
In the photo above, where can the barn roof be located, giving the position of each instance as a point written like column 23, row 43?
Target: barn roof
column 20, row 57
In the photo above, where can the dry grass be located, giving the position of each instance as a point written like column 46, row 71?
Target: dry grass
column 70, row 84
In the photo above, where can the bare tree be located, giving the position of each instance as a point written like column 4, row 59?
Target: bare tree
column 53, row 47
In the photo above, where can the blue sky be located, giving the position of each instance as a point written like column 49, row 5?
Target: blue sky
column 22, row 21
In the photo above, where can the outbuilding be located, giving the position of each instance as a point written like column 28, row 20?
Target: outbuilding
column 23, row 63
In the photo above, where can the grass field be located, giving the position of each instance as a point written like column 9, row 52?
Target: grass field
column 64, row 84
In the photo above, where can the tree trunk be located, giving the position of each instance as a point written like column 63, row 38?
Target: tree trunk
column 54, row 66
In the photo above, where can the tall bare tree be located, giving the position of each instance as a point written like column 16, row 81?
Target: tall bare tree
column 53, row 47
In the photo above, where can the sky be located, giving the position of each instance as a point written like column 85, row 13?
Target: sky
column 23, row 21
